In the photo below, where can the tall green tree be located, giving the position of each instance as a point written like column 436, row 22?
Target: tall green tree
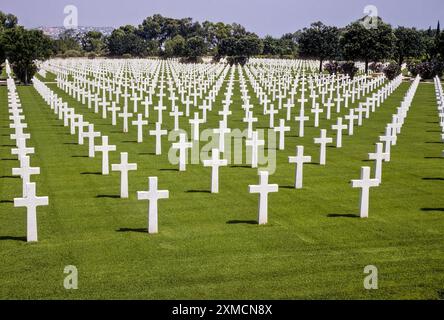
column 22, row 48
column 408, row 44
column 125, row 40
column 7, row 21
column 93, row 41
column 319, row 42
column 195, row 47
column 368, row 44
column 175, row 47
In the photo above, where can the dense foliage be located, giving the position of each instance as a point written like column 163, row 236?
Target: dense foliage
column 189, row 40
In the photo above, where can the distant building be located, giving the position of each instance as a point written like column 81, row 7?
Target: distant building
column 55, row 32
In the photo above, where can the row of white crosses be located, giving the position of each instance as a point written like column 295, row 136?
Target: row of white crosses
column 140, row 122
column 152, row 195
column 182, row 145
column 29, row 198
column 370, row 106
column 249, row 118
column 392, row 130
column 215, row 162
column 440, row 105
column 254, row 142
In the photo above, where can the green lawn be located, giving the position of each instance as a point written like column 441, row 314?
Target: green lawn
column 206, row 246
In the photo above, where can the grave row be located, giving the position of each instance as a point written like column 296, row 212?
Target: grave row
column 29, row 198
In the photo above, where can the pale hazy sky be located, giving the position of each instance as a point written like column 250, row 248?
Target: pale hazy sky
column 273, row 17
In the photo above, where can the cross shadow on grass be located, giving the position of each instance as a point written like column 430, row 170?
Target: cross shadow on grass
column 432, row 209
column 10, row 177
column 442, row 158
column 433, row 179
column 141, row 230
column 198, row 191
column 6, row 201
column 240, row 166
column 342, row 215
column 111, row 196
column 169, row 169
column 75, row 156
column 92, row 173
column 147, row 153
column 3, row 238
column 242, row 222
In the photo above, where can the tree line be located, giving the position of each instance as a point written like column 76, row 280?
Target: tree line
column 190, row 40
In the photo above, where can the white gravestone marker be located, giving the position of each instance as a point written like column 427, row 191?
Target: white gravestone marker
column 263, row 188
column 215, row 163
column 124, row 167
column 323, row 140
column 299, row 159
column 105, row 148
column 152, row 195
column 365, row 184
column 31, row 202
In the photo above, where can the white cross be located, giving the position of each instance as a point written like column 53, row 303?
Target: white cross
column 139, row 123
column 158, row 133
column 182, row 146
column 316, row 110
column 378, row 156
column 146, row 103
column 351, row 120
column 339, row 127
column 263, row 188
column 176, row 114
column 221, row 131
column 215, row 163
column 21, row 149
column 347, row 95
column 389, row 138
column 329, row 104
column 302, row 100
column 113, row 110
column 272, row 112
column 25, row 171
column 135, row 98
column 254, row 143
column 104, row 104
column 338, row 103
column 31, row 202
column 124, row 167
column 159, row 109
column 105, row 148
column 152, row 195
column 360, row 109
column 195, row 125
column 301, row 118
column 80, row 125
column 289, row 106
column 125, row 115
column 365, row 184
column 91, row 134
column 249, row 119
column 322, row 141
column 282, row 129
column 299, row 159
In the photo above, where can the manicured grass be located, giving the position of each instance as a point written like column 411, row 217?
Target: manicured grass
column 207, row 247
